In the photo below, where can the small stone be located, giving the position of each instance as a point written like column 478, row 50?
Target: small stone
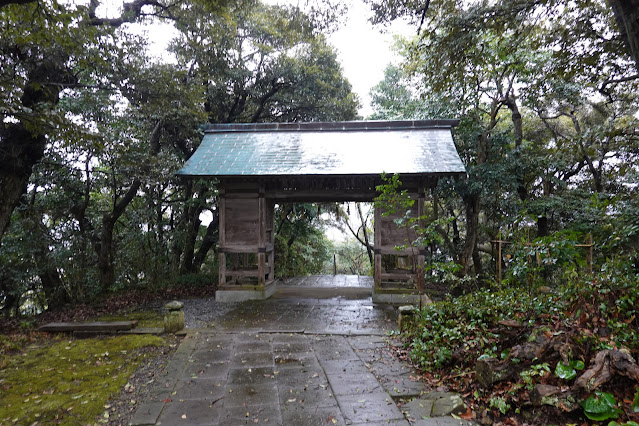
column 174, row 321
column 406, row 315
column 448, row 405
column 418, row 409
column 406, row 310
column 174, row 306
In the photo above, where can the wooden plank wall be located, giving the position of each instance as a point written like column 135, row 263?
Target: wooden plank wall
column 387, row 237
column 246, row 231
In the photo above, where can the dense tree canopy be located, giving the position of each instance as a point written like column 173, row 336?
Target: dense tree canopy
column 546, row 93
column 93, row 129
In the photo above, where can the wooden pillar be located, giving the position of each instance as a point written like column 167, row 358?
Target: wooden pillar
column 270, row 241
column 377, row 244
column 589, row 253
column 420, row 258
column 261, row 255
column 498, row 261
column 221, row 260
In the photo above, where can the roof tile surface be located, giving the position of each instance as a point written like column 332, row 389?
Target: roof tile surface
column 347, row 148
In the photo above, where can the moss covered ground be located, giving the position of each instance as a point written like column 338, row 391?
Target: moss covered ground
column 67, row 381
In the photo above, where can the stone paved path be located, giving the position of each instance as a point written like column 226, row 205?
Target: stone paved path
column 287, row 361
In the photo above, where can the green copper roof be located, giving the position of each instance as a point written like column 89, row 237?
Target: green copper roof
column 342, row 148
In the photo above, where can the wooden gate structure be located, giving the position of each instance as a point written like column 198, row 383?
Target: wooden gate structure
column 259, row 165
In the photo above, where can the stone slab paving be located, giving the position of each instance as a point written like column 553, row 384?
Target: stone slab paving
column 287, row 362
column 331, row 281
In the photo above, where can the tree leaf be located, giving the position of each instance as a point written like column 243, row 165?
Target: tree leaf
column 564, row 371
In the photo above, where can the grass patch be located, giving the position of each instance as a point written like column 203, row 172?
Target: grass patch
column 69, row 381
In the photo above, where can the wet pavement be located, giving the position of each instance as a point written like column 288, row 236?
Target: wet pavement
column 332, row 281
column 310, row 357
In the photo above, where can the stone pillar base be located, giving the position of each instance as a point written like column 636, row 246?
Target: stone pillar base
column 244, row 294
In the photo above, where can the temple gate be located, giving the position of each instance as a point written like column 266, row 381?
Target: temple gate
column 259, row 165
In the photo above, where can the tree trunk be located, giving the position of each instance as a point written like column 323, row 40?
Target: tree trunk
column 22, row 147
column 542, row 226
column 369, row 248
column 19, row 152
column 210, row 238
column 511, row 103
column 105, row 248
column 54, row 288
column 472, row 230
column 627, row 17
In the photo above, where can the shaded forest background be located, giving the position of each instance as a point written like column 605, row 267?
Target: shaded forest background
column 94, row 127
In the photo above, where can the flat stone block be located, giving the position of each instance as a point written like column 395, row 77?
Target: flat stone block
column 251, row 415
column 301, row 375
column 254, row 346
column 289, row 338
column 143, row 330
column 294, row 347
column 244, row 295
column 97, row 326
column 332, row 348
column 442, row 421
column 402, row 386
column 448, row 405
column 344, row 366
column 298, row 416
column 368, row 342
column 243, row 395
column 286, row 361
column 418, row 409
column 202, row 389
column 206, row 370
column 190, row 412
column 306, row 395
column 354, row 384
column 372, row 407
column 147, row 413
column 400, row 299
column 252, row 359
column 211, row 355
column 250, row 376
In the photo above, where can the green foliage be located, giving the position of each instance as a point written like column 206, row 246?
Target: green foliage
column 611, row 295
column 601, row 406
column 464, row 324
column 104, row 211
column 351, row 259
column 393, row 198
column 545, row 260
column 499, row 402
column 568, row 371
column 301, row 248
column 194, row 281
column 535, row 370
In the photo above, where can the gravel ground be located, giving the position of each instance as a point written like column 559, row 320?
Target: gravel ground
column 198, row 313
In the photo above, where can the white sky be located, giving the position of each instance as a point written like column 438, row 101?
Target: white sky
column 364, row 50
